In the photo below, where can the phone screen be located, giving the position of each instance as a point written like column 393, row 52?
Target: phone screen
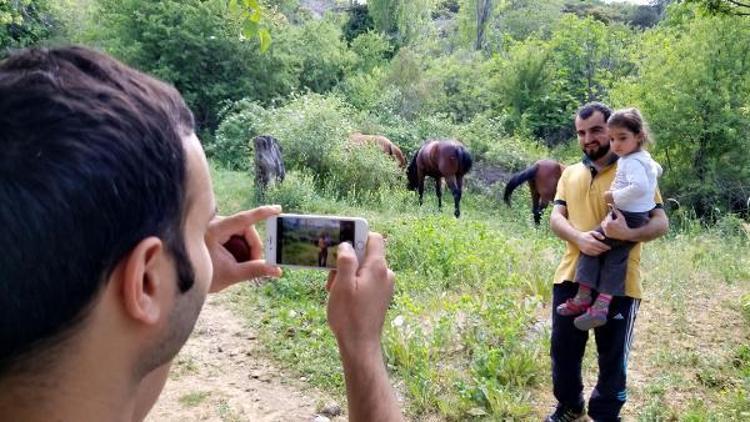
column 311, row 242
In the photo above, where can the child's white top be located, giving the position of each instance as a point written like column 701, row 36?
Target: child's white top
column 635, row 182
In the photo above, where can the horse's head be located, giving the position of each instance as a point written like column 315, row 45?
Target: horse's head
column 411, row 172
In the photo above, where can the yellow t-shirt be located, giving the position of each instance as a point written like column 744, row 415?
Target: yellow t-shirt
column 581, row 190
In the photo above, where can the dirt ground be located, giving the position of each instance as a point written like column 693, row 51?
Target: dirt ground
column 221, row 375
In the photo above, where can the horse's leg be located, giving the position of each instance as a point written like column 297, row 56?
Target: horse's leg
column 439, row 191
column 457, row 194
column 420, row 189
column 535, row 209
column 542, row 206
column 454, row 183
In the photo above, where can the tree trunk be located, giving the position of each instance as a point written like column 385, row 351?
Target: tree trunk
column 483, row 8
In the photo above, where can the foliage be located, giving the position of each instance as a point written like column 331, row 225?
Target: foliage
column 372, row 50
column 458, row 86
column 194, row 45
column 522, row 19
column 232, row 145
column 360, row 22
column 310, row 128
column 320, row 54
column 296, row 194
column 703, row 122
column 401, row 20
column 723, row 7
column 24, row 23
column 250, row 15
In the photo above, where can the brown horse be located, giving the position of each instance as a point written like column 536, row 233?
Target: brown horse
column 542, row 177
column 384, row 143
column 438, row 159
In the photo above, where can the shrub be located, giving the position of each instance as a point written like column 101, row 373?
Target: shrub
column 514, row 153
column 296, row 194
column 361, row 171
column 232, row 146
column 310, row 129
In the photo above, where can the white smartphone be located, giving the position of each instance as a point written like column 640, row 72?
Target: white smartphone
column 311, row 241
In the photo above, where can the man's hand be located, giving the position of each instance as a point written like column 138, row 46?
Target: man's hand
column 615, row 227
column 227, row 270
column 590, row 243
column 360, row 296
column 608, row 197
column 358, row 299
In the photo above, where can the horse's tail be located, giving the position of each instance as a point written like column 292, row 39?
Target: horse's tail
column 517, row 179
column 411, row 172
column 464, row 160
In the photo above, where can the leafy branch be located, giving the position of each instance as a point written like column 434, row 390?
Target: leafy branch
column 251, row 15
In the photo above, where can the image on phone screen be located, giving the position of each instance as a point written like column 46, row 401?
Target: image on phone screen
column 311, row 242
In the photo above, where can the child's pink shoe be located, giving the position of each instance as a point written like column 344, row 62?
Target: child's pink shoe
column 574, row 306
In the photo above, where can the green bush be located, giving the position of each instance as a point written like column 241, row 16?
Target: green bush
column 310, row 128
column 194, row 45
column 361, row 171
column 232, row 145
column 296, row 194
column 481, row 132
column 320, row 52
column 514, row 153
column 372, row 50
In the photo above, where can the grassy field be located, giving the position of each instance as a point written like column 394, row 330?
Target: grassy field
column 467, row 335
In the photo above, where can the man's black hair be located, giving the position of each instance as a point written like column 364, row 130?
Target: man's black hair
column 91, row 163
column 588, row 109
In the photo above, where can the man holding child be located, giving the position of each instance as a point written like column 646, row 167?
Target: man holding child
column 580, row 207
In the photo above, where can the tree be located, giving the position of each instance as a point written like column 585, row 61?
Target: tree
column 198, row 46
column 483, row 9
column 693, row 87
column 24, row 23
column 726, row 7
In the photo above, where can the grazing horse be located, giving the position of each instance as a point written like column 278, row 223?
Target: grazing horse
column 438, row 159
column 269, row 164
column 383, row 143
column 542, row 177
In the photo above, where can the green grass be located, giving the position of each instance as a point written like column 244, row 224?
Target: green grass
column 465, row 336
column 194, row 399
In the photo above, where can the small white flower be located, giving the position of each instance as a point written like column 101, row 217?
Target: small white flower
column 398, row 321
column 292, row 313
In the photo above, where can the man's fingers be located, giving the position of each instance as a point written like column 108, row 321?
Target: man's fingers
column 237, row 223
column 598, row 235
column 256, row 244
column 258, row 268
column 375, row 252
column 346, row 264
column 331, row 278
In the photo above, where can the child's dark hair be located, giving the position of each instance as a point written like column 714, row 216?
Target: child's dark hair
column 631, row 119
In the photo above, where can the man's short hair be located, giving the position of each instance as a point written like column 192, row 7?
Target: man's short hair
column 91, row 162
column 590, row 108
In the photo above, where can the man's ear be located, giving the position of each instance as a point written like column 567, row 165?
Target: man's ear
column 141, row 280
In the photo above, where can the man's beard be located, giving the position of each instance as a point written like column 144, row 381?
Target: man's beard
column 598, row 153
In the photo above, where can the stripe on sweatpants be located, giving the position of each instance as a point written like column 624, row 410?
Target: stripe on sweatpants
column 629, row 330
column 623, row 395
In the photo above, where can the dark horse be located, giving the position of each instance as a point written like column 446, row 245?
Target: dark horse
column 438, row 159
column 542, row 177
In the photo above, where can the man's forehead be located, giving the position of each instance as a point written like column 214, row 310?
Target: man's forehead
column 596, row 119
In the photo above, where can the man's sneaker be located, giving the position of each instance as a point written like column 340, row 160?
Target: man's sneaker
column 567, row 414
column 594, row 317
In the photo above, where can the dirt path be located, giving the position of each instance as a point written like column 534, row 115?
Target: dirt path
column 221, row 375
